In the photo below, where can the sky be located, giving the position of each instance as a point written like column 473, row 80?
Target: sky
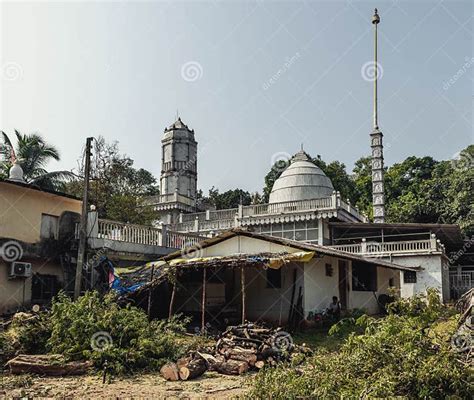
column 254, row 79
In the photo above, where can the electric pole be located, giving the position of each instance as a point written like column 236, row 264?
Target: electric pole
column 83, row 227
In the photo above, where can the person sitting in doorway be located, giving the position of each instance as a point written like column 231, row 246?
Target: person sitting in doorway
column 334, row 309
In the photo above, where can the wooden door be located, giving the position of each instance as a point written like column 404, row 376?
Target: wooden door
column 343, row 284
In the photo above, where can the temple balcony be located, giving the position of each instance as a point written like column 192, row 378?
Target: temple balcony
column 218, row 220
column 123, row 238
column 393, row 248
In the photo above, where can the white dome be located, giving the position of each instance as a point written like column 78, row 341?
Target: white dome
column 301, row 180
column 16, row 173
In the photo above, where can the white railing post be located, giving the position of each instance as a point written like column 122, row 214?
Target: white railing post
column 196, row 224
column 364, row 246
column 433, row 242
column 208, row 215
column 334, row 199
column 164, row 235
column 93, row 224
column 240, row 211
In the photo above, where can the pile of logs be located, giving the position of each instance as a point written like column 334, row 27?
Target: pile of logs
column 237, row 350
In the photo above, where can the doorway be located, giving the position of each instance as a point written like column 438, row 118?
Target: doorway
column 343, row 283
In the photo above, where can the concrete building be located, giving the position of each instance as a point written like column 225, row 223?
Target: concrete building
column 260, row 277
column 33, row 234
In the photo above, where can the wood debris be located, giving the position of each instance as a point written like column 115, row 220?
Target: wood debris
column 237, row 350
column 47, row 364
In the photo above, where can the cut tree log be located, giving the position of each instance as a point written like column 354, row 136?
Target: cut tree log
column 47, row 364
column 259, row 364
column 193, row 369
column 231, row 367
column 170, row 372
column 249, row 358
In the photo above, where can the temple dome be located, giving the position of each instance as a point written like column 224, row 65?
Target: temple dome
column 301, row 180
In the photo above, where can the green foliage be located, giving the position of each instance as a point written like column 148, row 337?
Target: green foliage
column 33, row 153
column 26, row 334
column 419, row 189
column 97, row 329
column 117, row 188
column 407, row 353
column 229, row 199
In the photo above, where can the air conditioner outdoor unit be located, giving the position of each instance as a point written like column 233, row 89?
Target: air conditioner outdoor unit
column 20, row 270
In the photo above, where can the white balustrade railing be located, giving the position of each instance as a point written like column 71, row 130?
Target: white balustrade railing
column 201, row 216
column 179, row 240
column 217, row 224
column 145, row 235
column 349, row 248
column 387, row 248
column 228, row 213
column 130, row 233
column 288, row 207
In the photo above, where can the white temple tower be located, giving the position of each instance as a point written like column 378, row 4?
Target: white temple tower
column 178, row 179
column 178, row 161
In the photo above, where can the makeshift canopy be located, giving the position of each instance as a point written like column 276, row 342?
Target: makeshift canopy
column 272, row 260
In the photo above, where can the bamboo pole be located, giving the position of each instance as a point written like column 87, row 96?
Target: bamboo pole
column 203, row 304
column 173, row 293
column 242, row 286
column 150, row 292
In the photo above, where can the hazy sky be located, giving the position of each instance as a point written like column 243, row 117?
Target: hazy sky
column 255, row 79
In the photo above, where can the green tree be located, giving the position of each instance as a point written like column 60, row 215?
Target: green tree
column 362, row 176
column 117, row 189
column 229, row 199
column 33, row 154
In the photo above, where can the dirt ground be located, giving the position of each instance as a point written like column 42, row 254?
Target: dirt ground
column 210, row 386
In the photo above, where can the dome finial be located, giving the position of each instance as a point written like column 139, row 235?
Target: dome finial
column 16, row 173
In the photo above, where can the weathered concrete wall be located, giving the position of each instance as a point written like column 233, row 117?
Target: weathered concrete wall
column 17, row 292
column 22, row 209
column 432, row 274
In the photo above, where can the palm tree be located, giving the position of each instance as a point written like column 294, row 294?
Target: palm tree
column 33, row 154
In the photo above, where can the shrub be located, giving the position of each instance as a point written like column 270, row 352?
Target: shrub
column 26, row 334
column 97, row 329
column 406, row 353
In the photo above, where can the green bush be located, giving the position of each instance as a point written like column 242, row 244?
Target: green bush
column 26, row 334
column 406, row 353
column 97, row 329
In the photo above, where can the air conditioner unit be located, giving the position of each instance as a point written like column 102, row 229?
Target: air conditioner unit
column 20, row 270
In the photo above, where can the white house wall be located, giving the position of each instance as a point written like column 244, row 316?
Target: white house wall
column 319, row 288
column 271, row 304
column 243, row 244
column 431, row 275
column 366, row 300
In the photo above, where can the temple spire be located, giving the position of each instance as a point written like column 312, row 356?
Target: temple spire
column 375, row 22
column 376, row 143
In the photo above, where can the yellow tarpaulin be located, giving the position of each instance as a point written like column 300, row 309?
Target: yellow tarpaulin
column 273, row 262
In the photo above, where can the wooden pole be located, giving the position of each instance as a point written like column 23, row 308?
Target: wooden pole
column 149, row 292
column 173, row 293
column 242, row 286
column 203, row 304
column 81, row 252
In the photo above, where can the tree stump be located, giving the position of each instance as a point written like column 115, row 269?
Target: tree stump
column 193, row 369
column 231, row 367
column 170, row 372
